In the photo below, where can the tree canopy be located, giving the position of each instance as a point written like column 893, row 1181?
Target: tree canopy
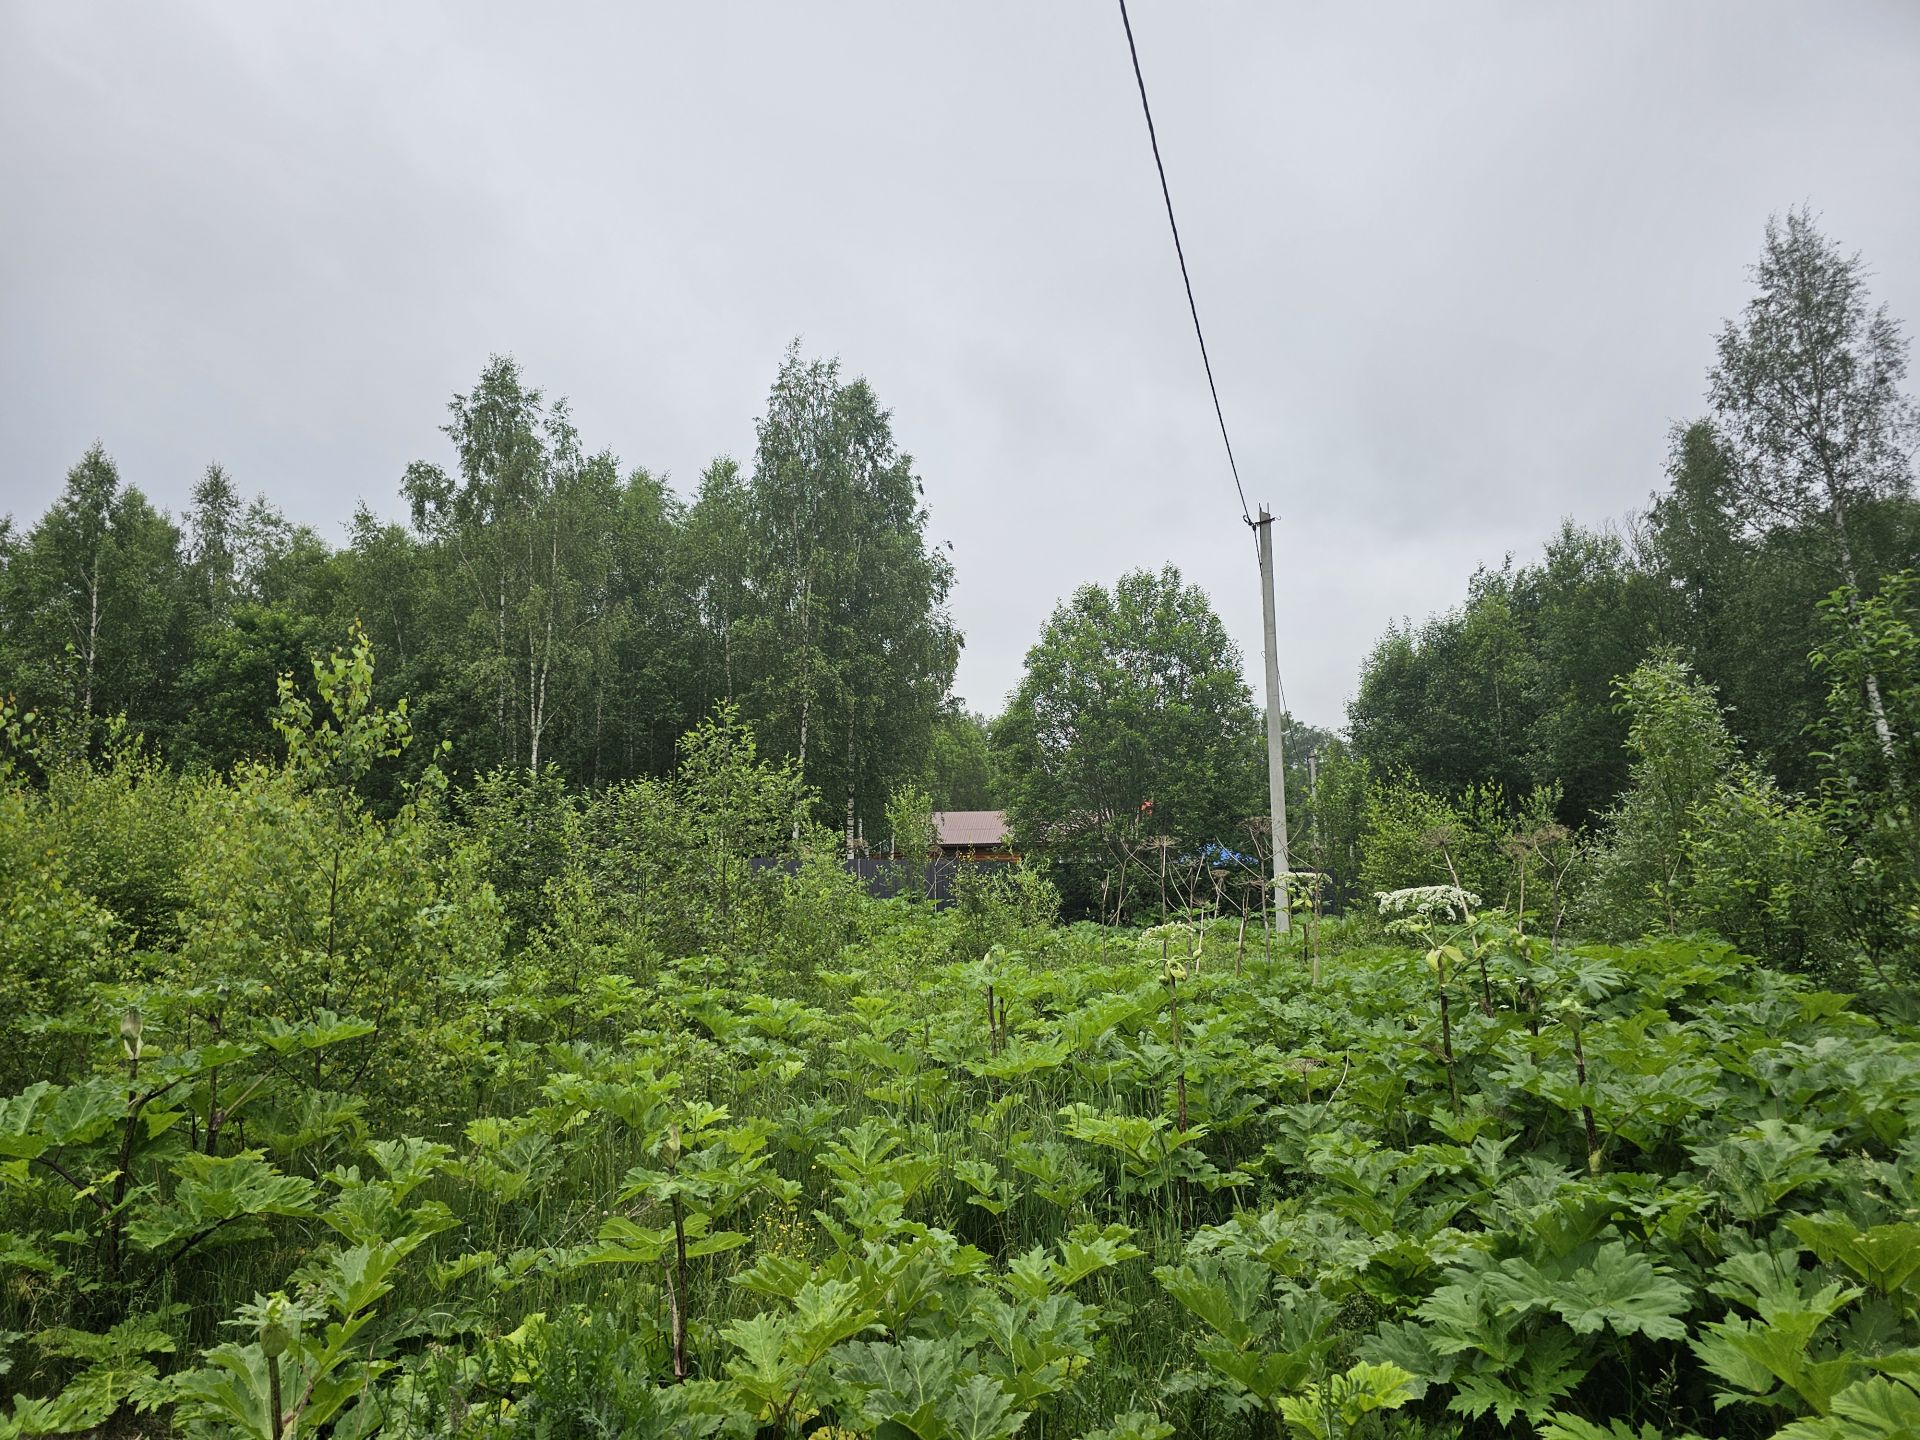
column 1132, row 721
column 544, row 604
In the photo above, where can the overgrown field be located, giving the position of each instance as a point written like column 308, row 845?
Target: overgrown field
column 1104, row 1183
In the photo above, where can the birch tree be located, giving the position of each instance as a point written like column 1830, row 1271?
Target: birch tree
column 73, row 544
column 518, row 528
column 847, row 637
column 213, row 524
column 1808, row 390
column 715, row 555
column 94, row 616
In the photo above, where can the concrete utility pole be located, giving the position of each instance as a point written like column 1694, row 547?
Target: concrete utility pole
column 1276, row 755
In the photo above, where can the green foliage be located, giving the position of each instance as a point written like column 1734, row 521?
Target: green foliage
column 1511, row 688
column 54, row 938
column 1131, row 722
column 1681, row 753
column 1764, row 872
column 678, row 854
column 1800, row 482
column 912, row 839
column 960, row 773
column 1705, row 840
column 304, row 904
column 94, row 605
column 527, row 827
column 1481, row 840
column 543, row 606
column 712, row 1194
column 848, row 632
column 599, row 1098
column 1872, row 659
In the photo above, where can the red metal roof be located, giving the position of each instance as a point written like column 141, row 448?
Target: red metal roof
column 970, row 828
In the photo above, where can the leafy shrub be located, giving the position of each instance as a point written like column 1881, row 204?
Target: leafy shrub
column 1480, row 840
column 1705, row 840
column 1011, row 905
column 305, row 904
column 55, row 940
column 1764, row 873
column 1871, row 766
column 527, row 827
column 123, row 825
column 1681, row 755
column 686, row 855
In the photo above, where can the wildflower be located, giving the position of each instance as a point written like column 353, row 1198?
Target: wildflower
column 1428, row 901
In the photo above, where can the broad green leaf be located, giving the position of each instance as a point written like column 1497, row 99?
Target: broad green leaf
column 1330, row 1409
column 1619, row 1290
column 1228, row 1293
column 979, row 1410
column 1133, row 1425
column 1886, row 1257
column 1873, row 1409
column 215, row 1191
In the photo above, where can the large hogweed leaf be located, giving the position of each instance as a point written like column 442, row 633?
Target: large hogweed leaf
column 1617, row 1290
column 1760, row 1166
column 1886, row 1257
column 1873, row 1409
column 1329, row 1409
column 213, row 1192
column 1132, row 1425
column 903, row 1383
column 992, row 1192
column 1060, row 1177
column 1263, row 1348
column 1546, row 1370
column 1561, row 1426
column 1036, row 1346
column 1085, row 1250
column 776, row 1352
column 1774, row 1360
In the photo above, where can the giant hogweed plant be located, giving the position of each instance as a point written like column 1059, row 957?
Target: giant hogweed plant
column 723, row 1208
column 1438, row 918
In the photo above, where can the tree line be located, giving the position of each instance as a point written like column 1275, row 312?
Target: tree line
column 1710, row 707
column 543, row 606
column 545, row 611
column 1701, row 717
column 1796, row 481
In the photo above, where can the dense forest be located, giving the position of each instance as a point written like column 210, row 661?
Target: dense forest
column 545, row 613
column 436, row 1001
column 543, row 607
column 1734, row 653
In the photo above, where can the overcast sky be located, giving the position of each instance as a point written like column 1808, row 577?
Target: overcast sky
column 1460, row 266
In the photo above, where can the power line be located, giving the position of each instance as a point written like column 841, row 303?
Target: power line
column 1173, row 224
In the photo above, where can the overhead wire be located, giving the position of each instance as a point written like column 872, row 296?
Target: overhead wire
column 1167, row 195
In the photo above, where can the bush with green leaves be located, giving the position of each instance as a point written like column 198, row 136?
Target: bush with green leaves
column 1871, row 762
column 912, row 840
column 56, row 937
column 1681, row 754
column 1508, row 849
column 303, row 901
column 1705, row 840
column 122, row 822
column 684, row 856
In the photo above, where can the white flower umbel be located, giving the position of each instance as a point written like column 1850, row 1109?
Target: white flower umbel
column 1428, row 901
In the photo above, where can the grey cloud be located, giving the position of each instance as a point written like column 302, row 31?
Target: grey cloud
column 1460, row 266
